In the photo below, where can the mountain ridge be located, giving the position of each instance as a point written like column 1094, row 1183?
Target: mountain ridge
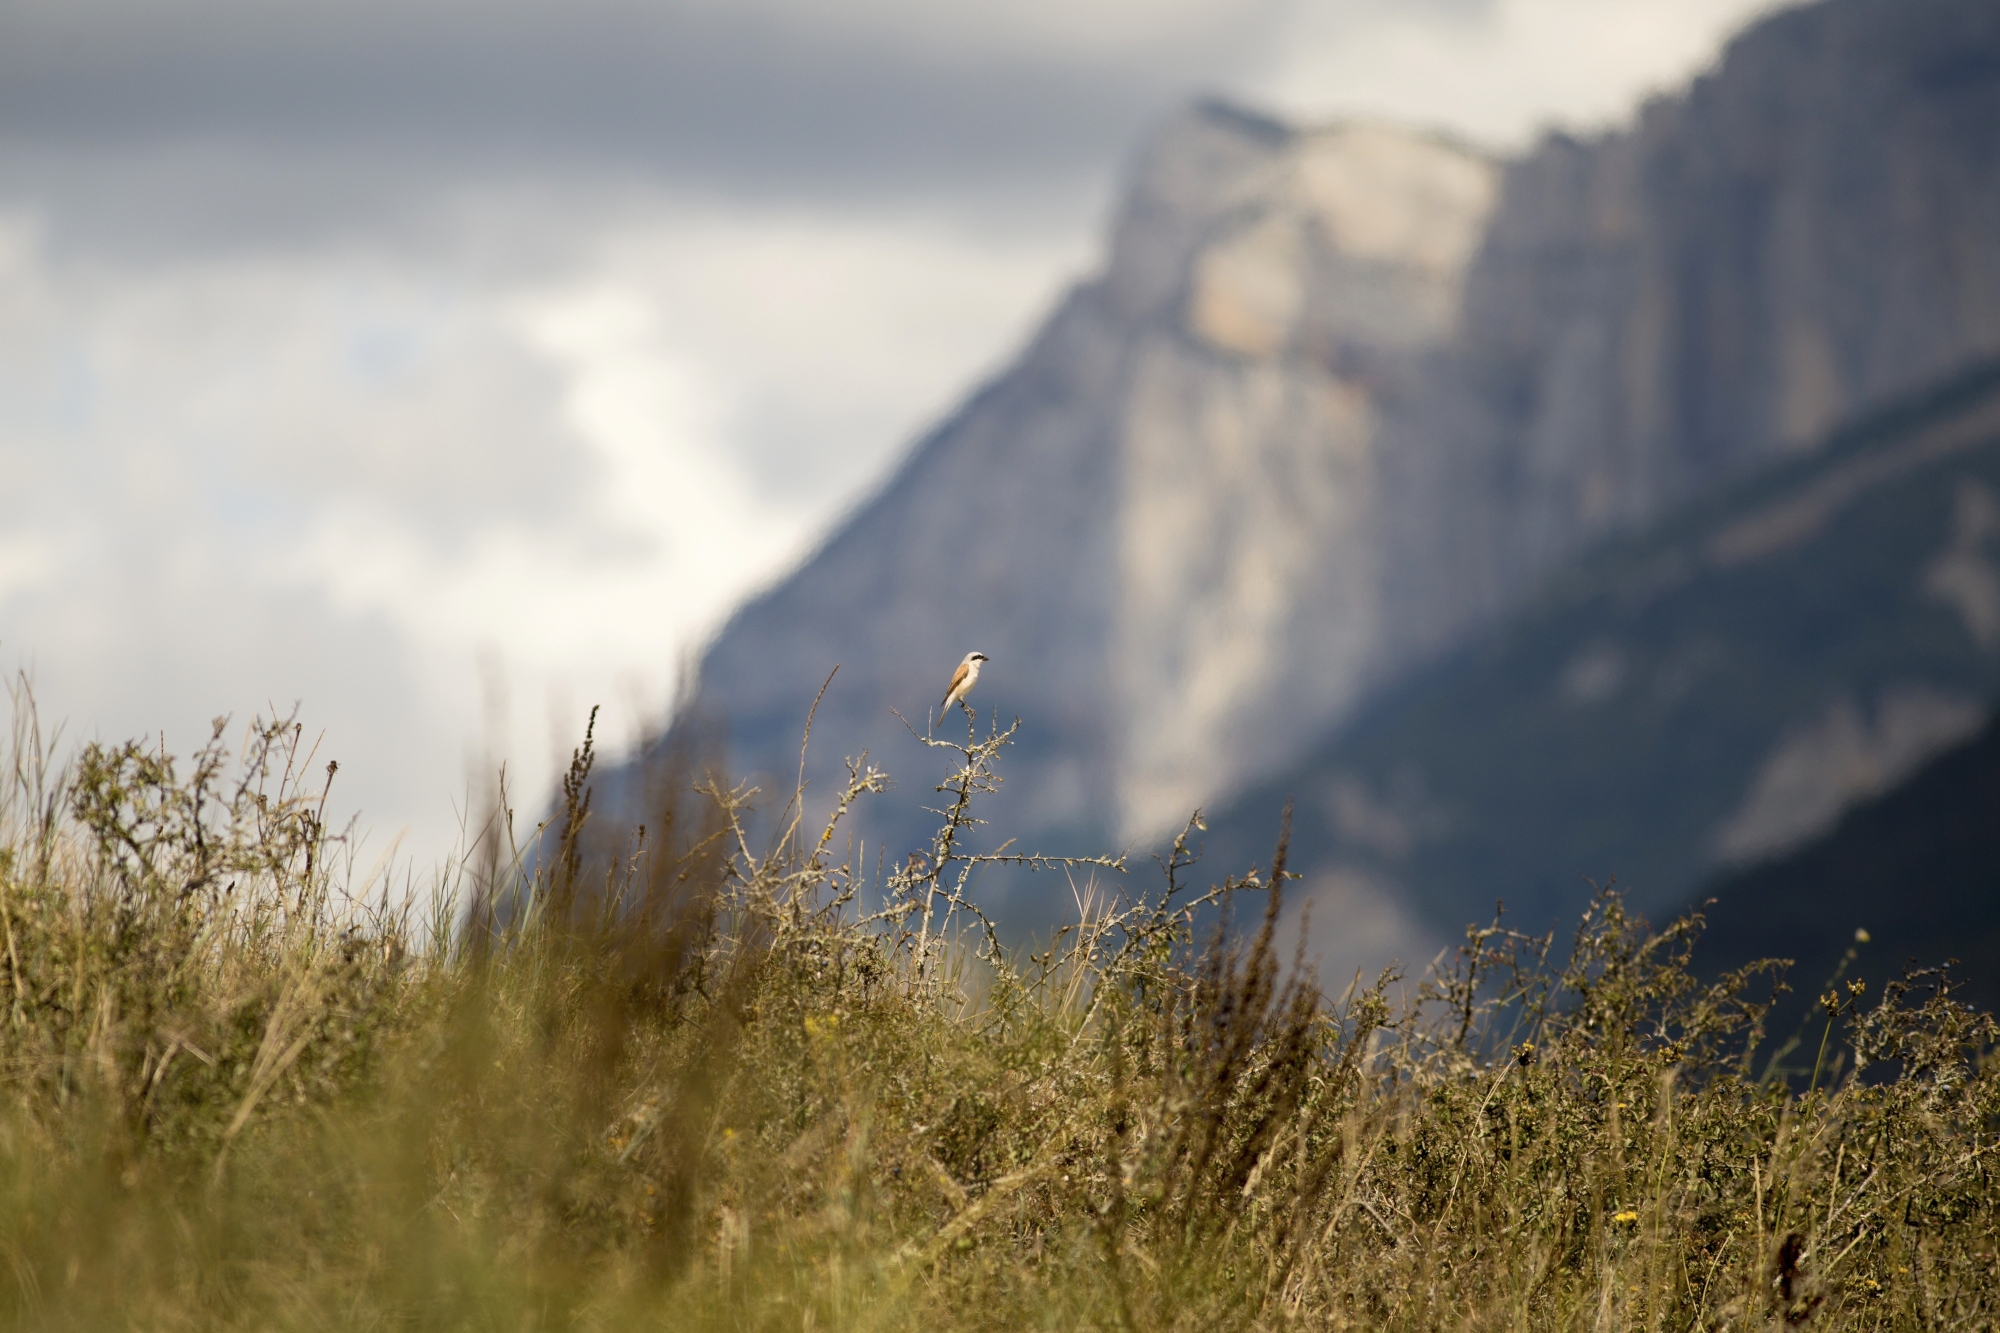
column 1339, row 399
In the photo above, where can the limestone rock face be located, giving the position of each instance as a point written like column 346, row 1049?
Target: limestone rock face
column 1161, row 524
column 1811, row 229
column 1269, row 343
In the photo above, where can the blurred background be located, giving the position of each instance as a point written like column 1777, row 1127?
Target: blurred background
column 447, row 369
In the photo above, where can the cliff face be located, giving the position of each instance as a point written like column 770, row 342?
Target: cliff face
column 1812, row 229
column 1168, row 509
column 1340, row 397
column 1276, row 313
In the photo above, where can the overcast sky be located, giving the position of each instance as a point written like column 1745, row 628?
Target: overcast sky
column 360, row 354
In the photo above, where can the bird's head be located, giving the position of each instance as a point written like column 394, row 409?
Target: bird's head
column 975, row 657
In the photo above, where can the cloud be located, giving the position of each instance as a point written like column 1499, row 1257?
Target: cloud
column 792, row 97
column 1498, row 72
column 777, row 96
column 344, row 477
column 216, row 123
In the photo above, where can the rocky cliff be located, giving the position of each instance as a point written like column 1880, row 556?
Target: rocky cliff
column 1340, row 397
column 1163, row 524
column 1811, row 229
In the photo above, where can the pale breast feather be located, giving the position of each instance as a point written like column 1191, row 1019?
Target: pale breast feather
column 957, row 679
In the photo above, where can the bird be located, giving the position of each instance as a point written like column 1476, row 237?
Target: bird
column 962, row 680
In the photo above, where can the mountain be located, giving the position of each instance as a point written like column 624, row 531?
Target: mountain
column 1710, row 693
column 1341, row 399
column 1916, row 869
column 1167, row 508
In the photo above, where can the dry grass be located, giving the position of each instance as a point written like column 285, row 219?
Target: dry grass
column 735, row 1086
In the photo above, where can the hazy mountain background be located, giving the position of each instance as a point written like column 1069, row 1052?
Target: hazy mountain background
column 452, row 369
column 1710, row 694
column 1615, row 509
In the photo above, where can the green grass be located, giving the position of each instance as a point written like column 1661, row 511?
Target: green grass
column 718, row 1085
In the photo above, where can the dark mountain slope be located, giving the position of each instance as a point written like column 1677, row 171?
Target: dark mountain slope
column 1918, row 869
column 1710, row 693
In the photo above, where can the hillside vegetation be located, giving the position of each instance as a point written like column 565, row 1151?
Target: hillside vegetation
column 747, row 1087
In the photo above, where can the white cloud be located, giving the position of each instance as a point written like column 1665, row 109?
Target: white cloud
column 1498, row 72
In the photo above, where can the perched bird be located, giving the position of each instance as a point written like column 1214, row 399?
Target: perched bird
column 962, row 680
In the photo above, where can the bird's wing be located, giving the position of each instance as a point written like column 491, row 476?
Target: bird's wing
column 957, row 679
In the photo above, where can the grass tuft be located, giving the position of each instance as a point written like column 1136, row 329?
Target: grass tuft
column 710, row 1083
